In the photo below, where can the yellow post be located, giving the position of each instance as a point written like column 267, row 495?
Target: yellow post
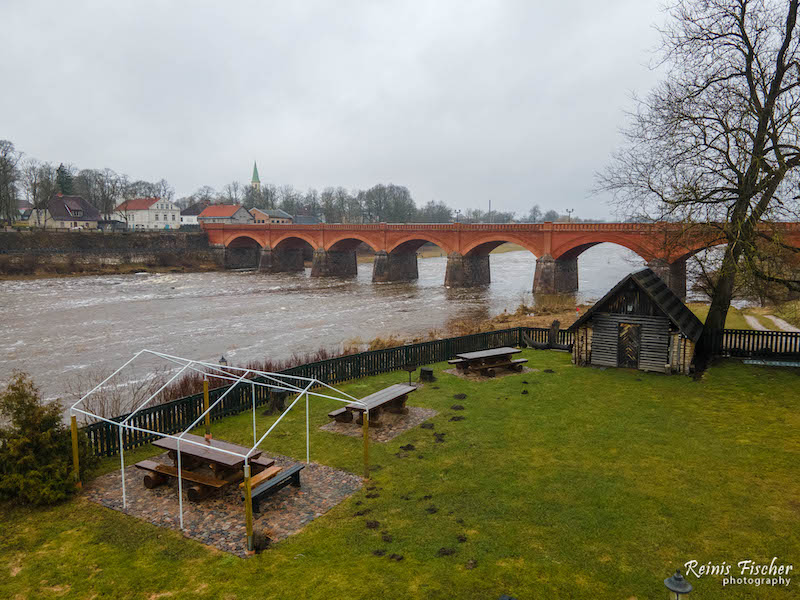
column 365, row 427
column 248, row 508
column 75, row 467
column 205, row 408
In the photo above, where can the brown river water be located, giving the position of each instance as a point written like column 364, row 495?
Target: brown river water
column 63, row 330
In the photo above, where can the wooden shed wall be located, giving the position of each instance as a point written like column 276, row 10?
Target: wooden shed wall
column 655, row 339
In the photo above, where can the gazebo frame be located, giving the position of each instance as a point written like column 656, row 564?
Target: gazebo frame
column 302, row 386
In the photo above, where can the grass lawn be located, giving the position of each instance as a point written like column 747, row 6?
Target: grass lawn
column 734, row 320
column 595, row 484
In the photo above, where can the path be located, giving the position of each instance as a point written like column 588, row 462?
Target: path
column 782, row 325
column 754, row 323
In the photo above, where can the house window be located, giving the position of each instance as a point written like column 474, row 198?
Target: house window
column 173, row 216
column 156, row 216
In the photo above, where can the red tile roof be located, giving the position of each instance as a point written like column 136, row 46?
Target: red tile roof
column 220, row 210
column 137, row 204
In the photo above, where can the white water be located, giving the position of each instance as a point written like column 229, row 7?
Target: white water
column 60, row 329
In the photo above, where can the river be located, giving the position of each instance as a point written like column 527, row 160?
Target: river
column 61, row 330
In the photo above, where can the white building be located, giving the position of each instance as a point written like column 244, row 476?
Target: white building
column 149, row 213
column 190, row 213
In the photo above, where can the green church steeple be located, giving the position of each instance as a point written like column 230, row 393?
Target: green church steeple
column 255, row 182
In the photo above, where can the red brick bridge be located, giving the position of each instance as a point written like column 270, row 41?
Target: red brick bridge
column 557, row 246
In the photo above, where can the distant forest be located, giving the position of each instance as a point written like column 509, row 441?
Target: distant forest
column 34, row 181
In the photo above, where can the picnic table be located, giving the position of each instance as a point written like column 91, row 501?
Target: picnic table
column 486, row 361
column 391, row 399
column 203, row 466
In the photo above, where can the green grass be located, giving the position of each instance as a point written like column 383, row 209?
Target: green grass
column 734, row 320
column 596, row 484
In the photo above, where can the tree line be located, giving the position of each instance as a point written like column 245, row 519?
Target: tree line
column 26, row 178
column 37, row 181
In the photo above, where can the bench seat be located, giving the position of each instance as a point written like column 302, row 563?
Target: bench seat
column 261, row 463
column 170, row 471
column 290, row 476
column 515, row 364
column 264, row 475
column 341, row 415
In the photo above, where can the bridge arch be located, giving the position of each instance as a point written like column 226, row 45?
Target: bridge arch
column 412, row 243
column 486, row 243
column 243, row 240
column 572, row 249
column 294, row 239
column 350, row 242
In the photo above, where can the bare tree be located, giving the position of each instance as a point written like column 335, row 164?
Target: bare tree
column 233, row 193
column 163, row 190
column 9, row 178
column 717, row 141
column 39, row 185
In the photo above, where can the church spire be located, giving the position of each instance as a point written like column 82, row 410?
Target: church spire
column 255, row 183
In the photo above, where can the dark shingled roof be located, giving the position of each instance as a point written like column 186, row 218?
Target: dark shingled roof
column 195, row 209
column 67, row 208
column 661, row 295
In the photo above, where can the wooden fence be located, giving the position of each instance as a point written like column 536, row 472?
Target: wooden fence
column 746, row 343
column 177, row 415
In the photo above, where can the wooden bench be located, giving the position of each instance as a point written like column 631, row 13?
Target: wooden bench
column 391, row 399
column 515, row 365
column 341, row 415
column 158, row 473
column 290, row 476
column 260, row 463
column 262, row 476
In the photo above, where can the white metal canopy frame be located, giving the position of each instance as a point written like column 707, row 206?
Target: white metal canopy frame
column 302, row 386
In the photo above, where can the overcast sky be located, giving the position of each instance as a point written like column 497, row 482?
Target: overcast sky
column 520, row 102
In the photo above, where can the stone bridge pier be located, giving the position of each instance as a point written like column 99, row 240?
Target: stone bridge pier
column 395, row 266
column 467, row 271
column 555, row 275
column 284, row 260
column 334, row 263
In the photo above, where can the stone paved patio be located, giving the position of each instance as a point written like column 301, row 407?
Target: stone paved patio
column 218, row 520
column 392, row 425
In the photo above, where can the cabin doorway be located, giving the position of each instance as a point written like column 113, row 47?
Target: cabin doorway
column 628, row 344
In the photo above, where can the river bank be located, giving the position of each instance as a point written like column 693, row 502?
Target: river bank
column 51, row 254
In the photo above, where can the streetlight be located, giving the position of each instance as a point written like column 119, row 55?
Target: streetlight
column 677, row 586
column 458, row 214
column 222, row 361
column 569, row 214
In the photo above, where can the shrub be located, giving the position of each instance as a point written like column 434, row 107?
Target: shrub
column 36, row 447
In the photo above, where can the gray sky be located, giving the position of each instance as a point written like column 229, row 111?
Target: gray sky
column 520, row 102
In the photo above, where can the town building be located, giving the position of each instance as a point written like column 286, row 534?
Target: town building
column 142, row 214
column 225, row 213
column 23, row 207
column 65, row 212
column 640, row 324
column 274, row 216
column 190, row 213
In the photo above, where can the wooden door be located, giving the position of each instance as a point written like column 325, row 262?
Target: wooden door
column 628, row 344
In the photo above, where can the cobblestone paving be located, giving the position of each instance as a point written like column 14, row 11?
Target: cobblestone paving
column 500, row 373
column 218, row 520
column 392, row 425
